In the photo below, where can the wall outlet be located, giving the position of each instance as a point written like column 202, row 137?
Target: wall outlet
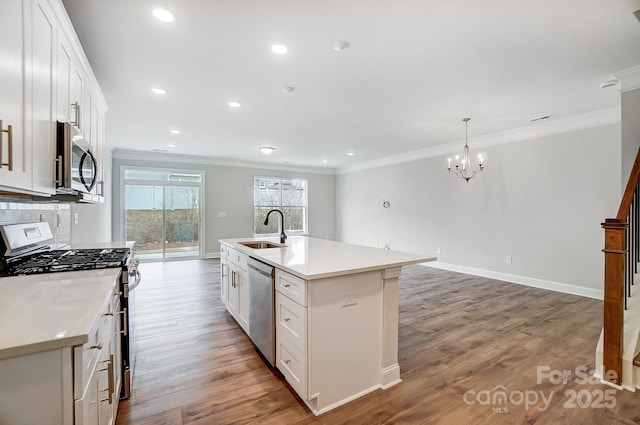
column 438, row 251
column 75, row 218
column 222, row 214
column 349, row 300
column 507, row 259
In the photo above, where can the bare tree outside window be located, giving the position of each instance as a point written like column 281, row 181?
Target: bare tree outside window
column 287, row 195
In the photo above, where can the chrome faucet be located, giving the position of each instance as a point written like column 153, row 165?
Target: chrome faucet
column 283, row 237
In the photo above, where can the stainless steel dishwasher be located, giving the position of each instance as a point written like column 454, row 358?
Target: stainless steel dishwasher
column 261, row 308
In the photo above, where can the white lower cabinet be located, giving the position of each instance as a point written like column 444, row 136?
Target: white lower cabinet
column 95, row 393
column 291, row 342
column 66, row 386
column 236, row 285
column 327, row 330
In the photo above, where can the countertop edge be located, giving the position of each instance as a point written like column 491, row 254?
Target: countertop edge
column 39, row 347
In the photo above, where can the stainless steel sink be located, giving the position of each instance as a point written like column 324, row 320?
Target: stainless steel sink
column 261, row 244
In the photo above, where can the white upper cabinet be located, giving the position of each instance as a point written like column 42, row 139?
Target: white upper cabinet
column 44, row 78
column 43, row 120
column 15, row 171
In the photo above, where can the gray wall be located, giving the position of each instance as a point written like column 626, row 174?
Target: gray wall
column 630, row 131
column 230, row 189
column 539, row 201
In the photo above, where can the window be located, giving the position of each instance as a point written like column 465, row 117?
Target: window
column 287, row 195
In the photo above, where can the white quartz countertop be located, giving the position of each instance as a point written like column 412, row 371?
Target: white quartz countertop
column 312, row 258
column 52, row 310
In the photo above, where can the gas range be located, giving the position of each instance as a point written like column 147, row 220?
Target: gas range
column 25, row 249
column 64, row 260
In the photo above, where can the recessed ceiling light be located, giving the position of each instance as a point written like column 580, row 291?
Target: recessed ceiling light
column 234, row 104
column 340, row 46
column 324, row 161
column 174, row 131
column 162, row 15
column 279, row 49
column 159, row 90
column 350, row 153
column 266, row 150
column 171, row 145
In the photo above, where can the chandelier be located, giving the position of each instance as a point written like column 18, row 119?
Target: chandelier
column 463, row 168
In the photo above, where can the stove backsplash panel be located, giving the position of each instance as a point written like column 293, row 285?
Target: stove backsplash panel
column 57, row 214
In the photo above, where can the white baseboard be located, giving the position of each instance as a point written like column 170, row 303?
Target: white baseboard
column 522, row 280
column 211, row 255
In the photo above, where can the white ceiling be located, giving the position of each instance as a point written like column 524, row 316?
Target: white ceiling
column 413, row 70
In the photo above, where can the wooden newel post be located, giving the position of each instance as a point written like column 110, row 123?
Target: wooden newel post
column 614, row 256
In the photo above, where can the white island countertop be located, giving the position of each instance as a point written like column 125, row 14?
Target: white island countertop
column 313, row 258
column 52, row 310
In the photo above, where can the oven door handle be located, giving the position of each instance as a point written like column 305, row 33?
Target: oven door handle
column 136, row 282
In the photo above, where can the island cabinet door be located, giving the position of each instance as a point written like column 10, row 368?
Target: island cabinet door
column 224, row 274
column 244, row 300
column 232, row 289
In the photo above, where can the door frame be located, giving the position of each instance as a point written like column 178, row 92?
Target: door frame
column 201, row 210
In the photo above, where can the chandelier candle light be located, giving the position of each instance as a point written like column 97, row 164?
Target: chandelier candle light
column 464, row 169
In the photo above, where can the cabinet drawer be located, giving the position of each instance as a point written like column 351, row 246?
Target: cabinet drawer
column 291, row 286
column 291, row 322
column 236, row 257
column 86, row 356
column 293, row 365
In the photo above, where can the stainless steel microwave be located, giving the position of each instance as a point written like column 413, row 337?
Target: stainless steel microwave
column 76, row 166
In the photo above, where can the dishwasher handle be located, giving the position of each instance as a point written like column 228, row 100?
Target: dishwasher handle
column 260, row 267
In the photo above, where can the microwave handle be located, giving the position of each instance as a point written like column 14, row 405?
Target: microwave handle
column 95, row 170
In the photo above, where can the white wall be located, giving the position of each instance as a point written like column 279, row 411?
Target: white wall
column 539, row 201
column 230, row 189
column 94, row 220
column 630, row 131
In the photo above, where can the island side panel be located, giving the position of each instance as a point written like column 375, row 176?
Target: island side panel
column 345, row 338
column 390, row 371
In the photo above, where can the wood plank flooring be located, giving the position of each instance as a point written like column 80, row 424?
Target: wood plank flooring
column 464, row 341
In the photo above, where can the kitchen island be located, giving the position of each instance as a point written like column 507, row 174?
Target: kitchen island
column 336, row 313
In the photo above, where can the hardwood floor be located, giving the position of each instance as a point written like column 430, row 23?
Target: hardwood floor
column 464, row 341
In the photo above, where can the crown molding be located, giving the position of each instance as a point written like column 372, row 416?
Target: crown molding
column 541, row 129
column 629, row 79
column 221, row 162
column 548, row 128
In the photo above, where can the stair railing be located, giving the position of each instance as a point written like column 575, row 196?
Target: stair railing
column 621, row 256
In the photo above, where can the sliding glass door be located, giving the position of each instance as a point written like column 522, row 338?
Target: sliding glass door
column 162, row 213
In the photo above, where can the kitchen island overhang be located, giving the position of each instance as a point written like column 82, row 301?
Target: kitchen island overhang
column 336, row 314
